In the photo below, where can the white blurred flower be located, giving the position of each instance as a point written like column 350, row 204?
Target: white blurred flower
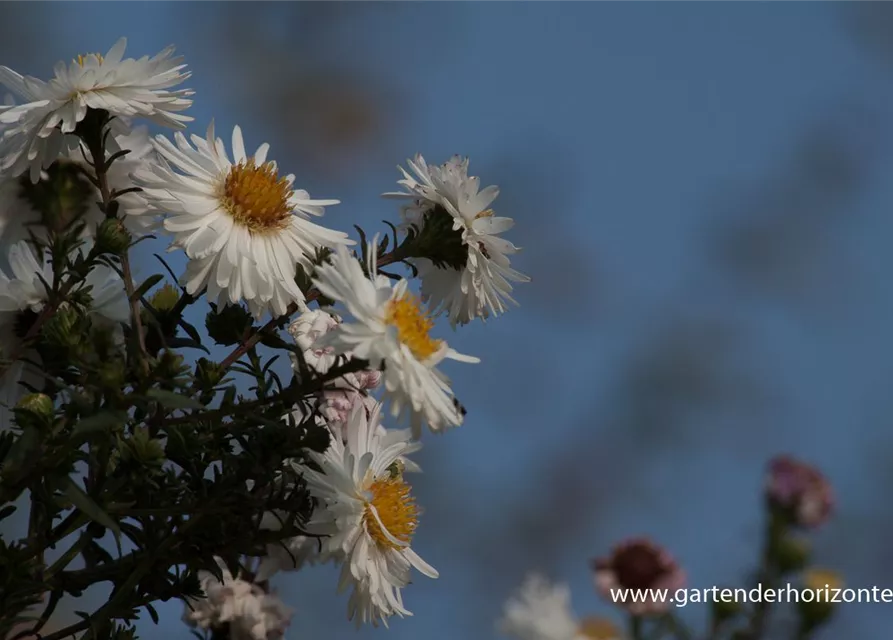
column 22, row 290
column 19, row 219
column 477, row 280
column 250, row 612
column 542, row 611
column 369, row 515
column 244, row 228
column 391, row 331
column 39, row 129
column 290, row 554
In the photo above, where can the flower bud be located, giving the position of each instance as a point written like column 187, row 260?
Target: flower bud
column 112, row 237
column 307, row 329
column 39, row 404
column 165, row 298
column 61, row 196
column 798, row 492
column 597, row 628
column 638, row 563
column 824, row 585
column 64, row 328
column 227, row 326
column 35, row 409
column 791, row 553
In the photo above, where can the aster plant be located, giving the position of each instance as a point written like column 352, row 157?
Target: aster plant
column 174, row 462
column 647, row 585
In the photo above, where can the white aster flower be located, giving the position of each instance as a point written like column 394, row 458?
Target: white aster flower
column 475, row 279
column 250, row 612
column 368, row 512
column 391, row 331
column 542, row 611
column 244, row 228
column 39, row 129
column 22, row 290
column 19, row 219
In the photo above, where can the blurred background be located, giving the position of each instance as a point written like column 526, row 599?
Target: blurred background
column 702, row 193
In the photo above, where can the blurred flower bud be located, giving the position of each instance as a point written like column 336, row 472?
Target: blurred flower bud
column 165, row 298
column 142, row 449
column 791, row 553
column 638, row 564
column 171, row 365
column 725, row 609
column 825, row 587
column 64, row 328
column 35, row 409
column 208, row 373
column 112, row 237
column 307, row 329
column 596, row 628
column 39, row 404
column 799, row 492
column 228, row 326
column 61, row 196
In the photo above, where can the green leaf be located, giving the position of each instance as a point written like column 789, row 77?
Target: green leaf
column 85, row 503
column 152, row 613
column 171, row 400
column 102, row 421
column 150, row 282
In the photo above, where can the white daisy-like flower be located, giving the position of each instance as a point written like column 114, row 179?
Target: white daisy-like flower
column 244, row 228
column 39, row 129
column 249, row 611
column 391, row 331
column 542, row 611
column 22, row 290
column 20, row 220
column 369, row 515
column 473, row 278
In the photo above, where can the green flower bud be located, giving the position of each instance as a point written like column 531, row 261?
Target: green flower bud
column 62, row 198
column 208, row 373
column 112, row 237
column 791, row 553
column 165, row 298
column 38, row 404
column 171, row 366
column 142, row 449
column 229, row 325
column 824, row 585
column 64, row 329
column 725, row 610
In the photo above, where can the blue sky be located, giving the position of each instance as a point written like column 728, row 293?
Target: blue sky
column 623, row 134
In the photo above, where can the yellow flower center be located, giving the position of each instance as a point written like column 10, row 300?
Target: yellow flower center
column 396, row 509
column 82, row 60
column 413, row 326
column 256, row 197
column 596, row 628
column 486, row 213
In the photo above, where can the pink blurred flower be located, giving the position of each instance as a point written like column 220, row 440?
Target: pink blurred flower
column 637, row 564
column 800, row 490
